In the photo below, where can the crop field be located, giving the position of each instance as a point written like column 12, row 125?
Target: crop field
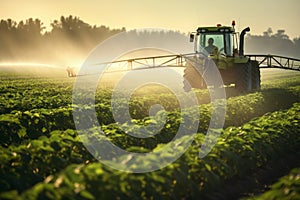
column 42, row 156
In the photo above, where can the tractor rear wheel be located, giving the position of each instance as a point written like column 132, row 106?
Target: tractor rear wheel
column 243, row 81
column 255, row 76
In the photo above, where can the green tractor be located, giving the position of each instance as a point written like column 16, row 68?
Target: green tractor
column 219, row 45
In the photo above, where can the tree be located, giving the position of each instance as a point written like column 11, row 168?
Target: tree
column 268, row 32
column 281, row 34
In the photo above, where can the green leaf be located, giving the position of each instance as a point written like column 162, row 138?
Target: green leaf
column 208, row 167
column 85, row 194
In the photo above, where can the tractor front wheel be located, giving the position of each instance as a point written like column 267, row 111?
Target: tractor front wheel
column 192, row 78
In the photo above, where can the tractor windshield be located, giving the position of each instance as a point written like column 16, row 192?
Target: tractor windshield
column 215, row 43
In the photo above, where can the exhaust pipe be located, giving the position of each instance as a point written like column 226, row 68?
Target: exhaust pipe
column 243, row 33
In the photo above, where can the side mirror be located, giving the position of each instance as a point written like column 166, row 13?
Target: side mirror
column 192, row 37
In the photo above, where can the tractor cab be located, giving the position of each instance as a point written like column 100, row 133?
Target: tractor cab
column 225, row 47
column 216, row 41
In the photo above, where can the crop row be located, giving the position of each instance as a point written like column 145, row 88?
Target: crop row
column 28, row 94
column 27, row 164
column 23, row 95
column 238, row 152
column 287, row 187
column 18, row 126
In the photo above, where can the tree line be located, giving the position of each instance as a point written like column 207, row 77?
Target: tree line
column 70, row 37
column 273, row 43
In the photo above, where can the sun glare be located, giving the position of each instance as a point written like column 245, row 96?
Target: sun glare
column 28, row 64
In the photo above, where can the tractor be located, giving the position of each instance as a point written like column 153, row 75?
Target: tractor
column 220, row 48
column 219, row 45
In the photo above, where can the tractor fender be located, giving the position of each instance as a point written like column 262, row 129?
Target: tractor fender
column 241, row 59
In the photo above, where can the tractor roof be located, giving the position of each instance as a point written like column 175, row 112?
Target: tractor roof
column 215, row 29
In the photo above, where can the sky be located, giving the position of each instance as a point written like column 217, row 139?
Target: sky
column 181, row 15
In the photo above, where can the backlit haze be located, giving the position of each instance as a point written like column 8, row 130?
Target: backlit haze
column 179, row 15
